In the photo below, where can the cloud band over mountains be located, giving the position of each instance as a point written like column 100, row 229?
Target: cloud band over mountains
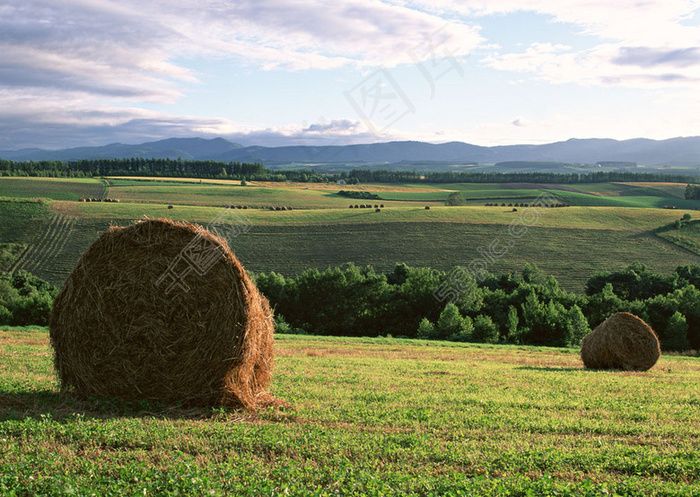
column 81, row 72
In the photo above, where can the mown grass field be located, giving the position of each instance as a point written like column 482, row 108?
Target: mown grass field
column 571, row 243
column 51, row 188
column 254, row 195
column 221, row 192
column 320, row 196
column 366, row 417
column 688, row 236
column 618, row 219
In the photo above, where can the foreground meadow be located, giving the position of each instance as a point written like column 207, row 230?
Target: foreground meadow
column 366, row 417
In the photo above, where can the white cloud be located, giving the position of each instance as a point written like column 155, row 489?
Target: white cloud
column 603, row 65
column 48, row 119
column 127, row 48
column 77, row 71
column 673, row 114
column 643, row 43
column 58, row 57
column 641, row 22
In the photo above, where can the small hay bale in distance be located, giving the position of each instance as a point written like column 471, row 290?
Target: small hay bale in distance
column 139, row 320
column 623, row 341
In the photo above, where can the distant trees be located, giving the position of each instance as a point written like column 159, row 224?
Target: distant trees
column 635, row 282
column 683, row 221
column 386, row 176
column 139, row 166
column 25, row 299
column 359, row 194
column 133, row 167
column 426, row 329
column 451, row 325
column 692, row 192
column 455, row 198
column 528, row 307
column 485, row 330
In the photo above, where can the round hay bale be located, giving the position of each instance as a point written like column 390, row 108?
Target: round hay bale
column 623, row 341
column 164, row 311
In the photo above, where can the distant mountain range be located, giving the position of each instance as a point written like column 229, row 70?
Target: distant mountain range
column 677, row 152
column 172, row 148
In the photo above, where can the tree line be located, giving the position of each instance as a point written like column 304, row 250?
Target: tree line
column 692, row 192
column 25, row 299
column 131, row 167
column 256, row 171
column 387, row 176
column 526, row 307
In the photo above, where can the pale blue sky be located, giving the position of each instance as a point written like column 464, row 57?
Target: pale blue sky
column 88, row 72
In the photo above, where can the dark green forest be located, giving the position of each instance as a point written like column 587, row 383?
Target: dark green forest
column 526, row 307
column 238, row 170
column 25, row 299
column 692, row 192
column 131, row 167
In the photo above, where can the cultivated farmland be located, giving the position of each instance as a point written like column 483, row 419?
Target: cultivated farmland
column 52, row 188
column 571, row 243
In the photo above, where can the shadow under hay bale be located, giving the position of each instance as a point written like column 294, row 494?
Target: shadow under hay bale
column 623, row 341
column 163, row 311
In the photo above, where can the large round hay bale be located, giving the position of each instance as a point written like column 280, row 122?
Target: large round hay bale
column 623, row 341
column 163, row 311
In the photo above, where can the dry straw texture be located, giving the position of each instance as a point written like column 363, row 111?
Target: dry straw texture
column 118, row 332
column 623, row 341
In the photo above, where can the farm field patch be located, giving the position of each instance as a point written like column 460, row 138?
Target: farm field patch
column 594, row 239
column 51, row 188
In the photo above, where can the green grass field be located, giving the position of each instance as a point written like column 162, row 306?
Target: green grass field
column 687, row 237
column 616, row 225
column 366, row 417
column 610, row 218
column 643, row 195
column 212, row 192
column 51, row 188
column 593, row 239
column 297, row 196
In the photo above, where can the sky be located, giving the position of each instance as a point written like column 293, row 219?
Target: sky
column 280, row 72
